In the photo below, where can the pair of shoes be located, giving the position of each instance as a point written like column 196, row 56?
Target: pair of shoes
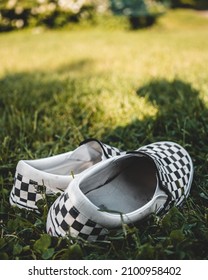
column 109, row 187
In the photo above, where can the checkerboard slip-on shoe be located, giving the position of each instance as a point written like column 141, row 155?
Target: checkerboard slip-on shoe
column 175, row 170
column 123, row 189
column 54, row 173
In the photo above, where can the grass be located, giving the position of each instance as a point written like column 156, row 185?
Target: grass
column 123, row 87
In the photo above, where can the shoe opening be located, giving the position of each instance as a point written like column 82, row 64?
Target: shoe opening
column 74, row 162
column 123, row 186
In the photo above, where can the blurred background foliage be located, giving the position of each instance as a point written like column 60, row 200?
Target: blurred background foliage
column 18, row 14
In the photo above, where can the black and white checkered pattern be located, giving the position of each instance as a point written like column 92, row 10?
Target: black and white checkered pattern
column 174, row 166
column 64, row 218
column 25, row 192
column 111, row 151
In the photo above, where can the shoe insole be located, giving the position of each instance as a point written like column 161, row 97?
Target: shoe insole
column 129, row 190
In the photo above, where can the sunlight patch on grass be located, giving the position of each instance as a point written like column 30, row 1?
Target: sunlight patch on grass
column 183, row 19
column 122, row 109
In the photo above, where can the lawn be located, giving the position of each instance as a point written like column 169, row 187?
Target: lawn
column 126, row 88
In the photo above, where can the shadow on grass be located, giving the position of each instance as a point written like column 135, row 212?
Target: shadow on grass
column 182, row 117
column 33, row 104
column 31, row 88
column 45, row 97
column 82, row 65
column 54, row 101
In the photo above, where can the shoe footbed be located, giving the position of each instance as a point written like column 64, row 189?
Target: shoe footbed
column 129, row 187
